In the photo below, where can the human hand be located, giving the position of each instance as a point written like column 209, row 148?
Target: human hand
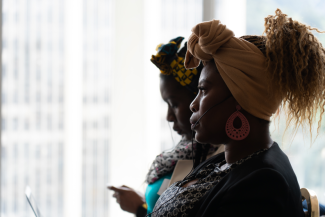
column 129, row 199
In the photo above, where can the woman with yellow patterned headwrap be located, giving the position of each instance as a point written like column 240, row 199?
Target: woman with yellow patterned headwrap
column 178, row 88
column 243, row 83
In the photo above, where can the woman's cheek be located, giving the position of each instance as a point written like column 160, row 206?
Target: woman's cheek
column 183, row 116
column 202, row 135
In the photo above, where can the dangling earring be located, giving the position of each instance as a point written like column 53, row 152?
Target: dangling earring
column 243, row 131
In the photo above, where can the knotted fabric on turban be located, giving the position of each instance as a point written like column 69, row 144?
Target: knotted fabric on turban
column 240, row 63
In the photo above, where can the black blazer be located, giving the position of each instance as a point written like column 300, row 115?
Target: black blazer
column 262, row 186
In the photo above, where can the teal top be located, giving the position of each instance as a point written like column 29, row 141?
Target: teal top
column 152, row 190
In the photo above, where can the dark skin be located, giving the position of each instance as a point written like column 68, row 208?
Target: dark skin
column 129, row 199
column 178, row 99
column 211, row 128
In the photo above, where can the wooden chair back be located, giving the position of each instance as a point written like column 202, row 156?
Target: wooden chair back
column 312, row 202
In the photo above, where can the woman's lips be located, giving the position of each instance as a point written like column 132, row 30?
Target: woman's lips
column 193, row 126
column 178, row 131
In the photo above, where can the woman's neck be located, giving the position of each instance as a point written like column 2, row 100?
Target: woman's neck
column 259, row 138
column 187, row 137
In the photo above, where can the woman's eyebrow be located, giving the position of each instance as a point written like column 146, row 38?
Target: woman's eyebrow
column 204, row 81
column 171, row 97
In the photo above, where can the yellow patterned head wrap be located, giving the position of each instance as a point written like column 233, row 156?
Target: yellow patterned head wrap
column 171, row 62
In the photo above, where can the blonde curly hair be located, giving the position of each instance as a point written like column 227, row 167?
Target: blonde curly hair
column 296, row 63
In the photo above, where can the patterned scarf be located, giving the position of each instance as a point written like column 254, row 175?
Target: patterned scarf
column 166, row 161
column 170, row 60
column 178, row 201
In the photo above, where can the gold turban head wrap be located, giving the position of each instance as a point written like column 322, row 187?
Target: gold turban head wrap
column 240, row 63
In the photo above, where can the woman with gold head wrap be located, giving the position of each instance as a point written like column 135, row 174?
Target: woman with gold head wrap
column 178, row 87
column 243, row 83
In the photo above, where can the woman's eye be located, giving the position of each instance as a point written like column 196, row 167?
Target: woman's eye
column 202, row 89
column 172, row 105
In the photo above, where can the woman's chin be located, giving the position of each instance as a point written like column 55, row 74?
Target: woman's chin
column 200, row 138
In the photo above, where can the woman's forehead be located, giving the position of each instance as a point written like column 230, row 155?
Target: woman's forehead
column 171, row 89
column 209, row 73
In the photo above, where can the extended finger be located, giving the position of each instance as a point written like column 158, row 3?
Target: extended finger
column 117, row 189
column 118, row 200
column 110, row 187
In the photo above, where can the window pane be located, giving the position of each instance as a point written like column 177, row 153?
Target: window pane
column 33, row 108
column 31, row 138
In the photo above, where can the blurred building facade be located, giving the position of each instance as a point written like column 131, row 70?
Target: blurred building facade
column 33, row 105
column 97, row 80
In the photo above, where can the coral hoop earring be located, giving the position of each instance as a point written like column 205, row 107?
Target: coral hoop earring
column 240, row 133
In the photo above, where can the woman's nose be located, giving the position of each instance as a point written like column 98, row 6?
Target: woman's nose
column 170, row 115
column 193, row 106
